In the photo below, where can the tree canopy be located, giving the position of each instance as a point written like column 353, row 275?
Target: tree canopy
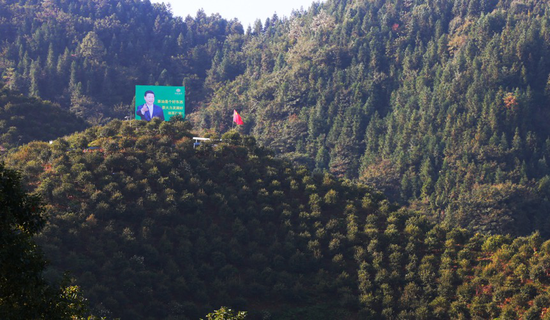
column 24, row 293
column 433, row 102
column 153, row 227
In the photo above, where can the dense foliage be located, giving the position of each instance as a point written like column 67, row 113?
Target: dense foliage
column 88, row 55
column 443, row 104
column 24, row 293
column 24, row 119
column 226, row 314
column 154, row 228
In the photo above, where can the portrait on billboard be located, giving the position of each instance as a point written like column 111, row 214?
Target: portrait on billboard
column 161, row 102
column 149, row 109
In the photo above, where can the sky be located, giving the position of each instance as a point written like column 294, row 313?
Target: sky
column 246, row 11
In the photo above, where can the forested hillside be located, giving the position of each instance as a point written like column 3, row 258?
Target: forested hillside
column 441, row 104
column 24, row 119
column 153, row 228
column 88, row 55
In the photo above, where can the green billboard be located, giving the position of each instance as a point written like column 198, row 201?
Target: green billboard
column 159, row 102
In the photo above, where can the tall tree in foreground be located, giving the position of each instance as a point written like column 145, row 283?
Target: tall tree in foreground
column 24, row 294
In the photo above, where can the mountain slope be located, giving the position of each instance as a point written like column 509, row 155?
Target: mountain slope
column 154, row 228
column 88, row 55
column 437, row 103
column 24, row 119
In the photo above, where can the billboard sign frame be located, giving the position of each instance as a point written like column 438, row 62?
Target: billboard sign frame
column 167, row 102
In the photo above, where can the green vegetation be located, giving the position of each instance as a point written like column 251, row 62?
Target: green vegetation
column 87, row 55
column 226, row 314
column 24, row 119
column 441, row 104
column 154, row 228
column 24, row 294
